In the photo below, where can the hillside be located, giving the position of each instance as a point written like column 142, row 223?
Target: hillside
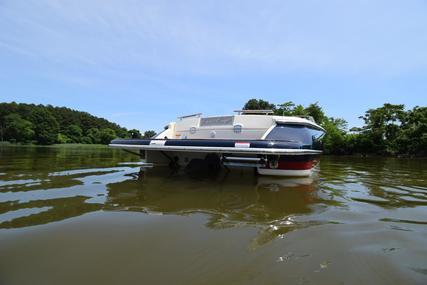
column 40, row 124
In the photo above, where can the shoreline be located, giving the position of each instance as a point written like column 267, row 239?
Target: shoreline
column 403, row 156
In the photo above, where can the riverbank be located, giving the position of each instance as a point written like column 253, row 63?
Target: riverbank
column 94, row 146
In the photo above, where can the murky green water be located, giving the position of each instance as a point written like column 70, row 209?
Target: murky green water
column 85, row 215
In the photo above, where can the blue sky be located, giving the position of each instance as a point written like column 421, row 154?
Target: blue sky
column 143, row 63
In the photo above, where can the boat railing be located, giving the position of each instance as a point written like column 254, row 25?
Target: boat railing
column 254, row 112
column 189, row 116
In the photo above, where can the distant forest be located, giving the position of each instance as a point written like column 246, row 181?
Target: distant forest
column 45, row 125
column 387, row 130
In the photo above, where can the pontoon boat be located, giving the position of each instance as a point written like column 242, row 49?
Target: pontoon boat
column 273, row 145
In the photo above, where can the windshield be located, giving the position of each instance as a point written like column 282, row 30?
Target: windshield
column 295, row 133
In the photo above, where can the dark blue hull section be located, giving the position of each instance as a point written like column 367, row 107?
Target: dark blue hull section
column 215, row 143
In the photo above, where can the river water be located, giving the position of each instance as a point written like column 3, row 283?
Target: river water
column 89, row 215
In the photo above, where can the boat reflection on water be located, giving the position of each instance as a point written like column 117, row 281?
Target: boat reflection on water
column 274, row 205
column 229, row 198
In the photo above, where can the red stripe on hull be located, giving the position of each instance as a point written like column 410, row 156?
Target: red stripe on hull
column 295, row 165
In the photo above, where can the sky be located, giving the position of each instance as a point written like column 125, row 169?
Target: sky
column 143, row 63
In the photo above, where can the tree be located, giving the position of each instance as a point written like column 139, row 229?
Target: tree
column 58, row 124
column 46, row 127
column 285, row 109
column 149, row 134
column 107, row 135
column 299, row 110
column 74, row 132
column 86, row 140
column 94, row 135
column 63, row 139
column 254, row 104
column 316, row 112
column 290, row 109
column 17, row 128
column 412, row 139
column 335, row 140
column 135, row 134
column 382, row 128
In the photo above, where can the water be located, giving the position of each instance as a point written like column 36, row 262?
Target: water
column 87, row 215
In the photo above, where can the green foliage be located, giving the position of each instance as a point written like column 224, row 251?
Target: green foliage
column 149, row 134
column 258, row 104
column 94, row 135
column 413, row 135
column 285, row 109
column 316, row 112
column 135, row 134
column 86, row 140
column 62, row 139
column 18, row 128
column 74, row 132
column 107, row 135
column 48, row 125
column 383, row 128
column 336, row 139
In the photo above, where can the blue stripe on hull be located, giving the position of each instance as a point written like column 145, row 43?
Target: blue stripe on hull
column 215, row 143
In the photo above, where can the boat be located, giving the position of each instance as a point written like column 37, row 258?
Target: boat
column 272, row 145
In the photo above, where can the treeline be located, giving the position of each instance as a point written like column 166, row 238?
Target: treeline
column 29, row 123
column 387, row 130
